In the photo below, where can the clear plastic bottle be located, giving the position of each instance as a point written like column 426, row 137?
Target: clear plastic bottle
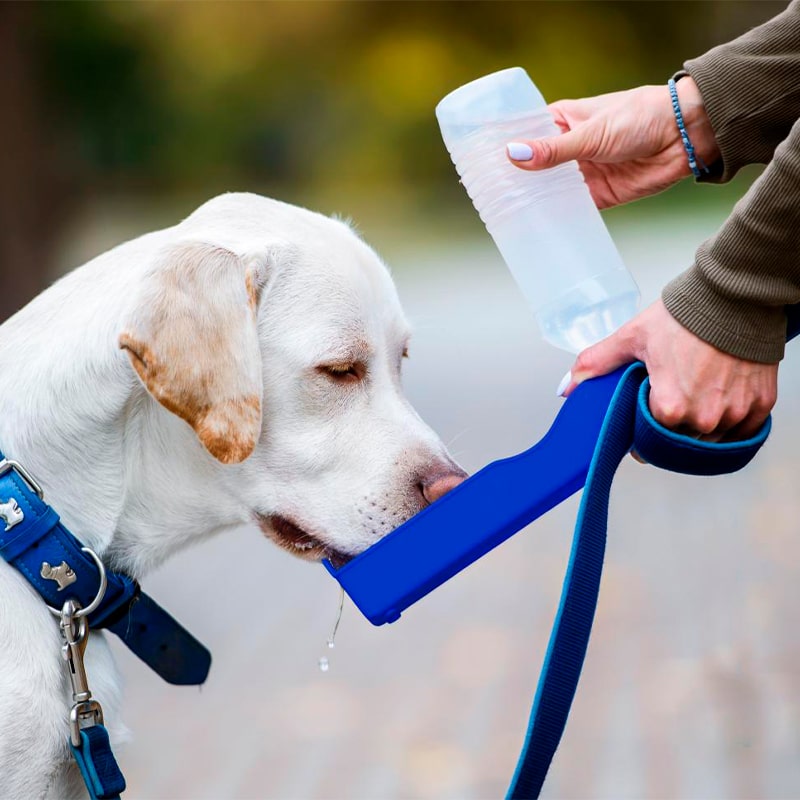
column 544, row 223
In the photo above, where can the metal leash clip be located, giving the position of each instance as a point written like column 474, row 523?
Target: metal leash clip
column 85, row 712
column 88, row 737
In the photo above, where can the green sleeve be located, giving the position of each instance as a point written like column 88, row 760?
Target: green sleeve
column 751, row 91
column 734, row 295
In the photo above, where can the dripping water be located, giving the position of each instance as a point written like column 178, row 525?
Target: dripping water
column 323, row 663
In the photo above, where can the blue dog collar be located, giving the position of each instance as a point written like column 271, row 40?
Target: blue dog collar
column 55, row 563
column 77, row 588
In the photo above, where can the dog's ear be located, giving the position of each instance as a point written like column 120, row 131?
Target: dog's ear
column 192, row 338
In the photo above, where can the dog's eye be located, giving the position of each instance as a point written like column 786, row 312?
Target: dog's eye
column 343, row 372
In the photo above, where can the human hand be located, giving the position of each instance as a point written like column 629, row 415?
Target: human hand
column 695, row 388
column 626, row 143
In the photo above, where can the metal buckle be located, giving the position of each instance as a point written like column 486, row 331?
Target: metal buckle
column 81, row 713
column 8, row 464
column 85, row 712
column 101, row 592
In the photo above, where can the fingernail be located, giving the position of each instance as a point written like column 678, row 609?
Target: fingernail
column 519, row 151
column 565, row 381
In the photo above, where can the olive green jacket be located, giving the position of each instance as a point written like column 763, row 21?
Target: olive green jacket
column 735, row 293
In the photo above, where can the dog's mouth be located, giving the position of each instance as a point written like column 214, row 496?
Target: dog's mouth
column 299, row 542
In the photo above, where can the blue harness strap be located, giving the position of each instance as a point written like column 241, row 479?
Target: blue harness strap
column 628, row 424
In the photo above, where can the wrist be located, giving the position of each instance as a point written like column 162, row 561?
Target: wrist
column 696, row 120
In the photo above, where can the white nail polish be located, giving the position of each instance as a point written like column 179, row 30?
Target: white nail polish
column 519, row 151
column 565, row 381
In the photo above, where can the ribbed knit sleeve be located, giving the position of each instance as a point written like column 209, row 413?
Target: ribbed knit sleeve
column 751, row 91
column 734, row 295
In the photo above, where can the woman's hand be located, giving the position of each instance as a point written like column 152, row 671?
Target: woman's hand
column 627, row 143
column 695, row 388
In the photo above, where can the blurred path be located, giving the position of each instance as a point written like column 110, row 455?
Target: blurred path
column 692, row 682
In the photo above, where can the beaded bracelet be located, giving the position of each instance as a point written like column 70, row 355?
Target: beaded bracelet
column 687, row 142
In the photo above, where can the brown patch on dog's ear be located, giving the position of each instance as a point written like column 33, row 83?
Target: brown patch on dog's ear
column 192, row 340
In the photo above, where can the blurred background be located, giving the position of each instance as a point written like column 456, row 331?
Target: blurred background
column 119, row 118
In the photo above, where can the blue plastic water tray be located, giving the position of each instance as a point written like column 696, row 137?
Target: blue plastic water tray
column 480, row 513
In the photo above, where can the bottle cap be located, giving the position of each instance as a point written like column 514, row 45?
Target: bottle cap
column 501, row 95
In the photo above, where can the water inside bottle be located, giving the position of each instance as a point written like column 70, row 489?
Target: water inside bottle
column 544, row 223
column 578, row 319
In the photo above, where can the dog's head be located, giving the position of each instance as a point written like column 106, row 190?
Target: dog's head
column 282, row 347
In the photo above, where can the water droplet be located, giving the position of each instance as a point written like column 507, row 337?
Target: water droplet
column 323, row 661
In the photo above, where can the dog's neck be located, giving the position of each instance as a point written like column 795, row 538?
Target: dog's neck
column 113, row 464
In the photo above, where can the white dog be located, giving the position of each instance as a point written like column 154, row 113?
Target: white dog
column 241, row 366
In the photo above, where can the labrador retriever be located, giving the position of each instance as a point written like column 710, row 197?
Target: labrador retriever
column 243, row 366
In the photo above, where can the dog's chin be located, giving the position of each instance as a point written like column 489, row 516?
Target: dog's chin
column 286, row 533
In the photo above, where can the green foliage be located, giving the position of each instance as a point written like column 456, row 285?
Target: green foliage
column 324, row 94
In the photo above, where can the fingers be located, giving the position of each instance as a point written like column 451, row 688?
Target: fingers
column 743, row 419
column 732, row 412
column 536, row 154
column 746, row 429
column 699, row 424
column 620, row 348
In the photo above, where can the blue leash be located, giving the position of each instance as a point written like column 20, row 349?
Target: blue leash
column 628, row 424
column 99, row 768
column 595, row 428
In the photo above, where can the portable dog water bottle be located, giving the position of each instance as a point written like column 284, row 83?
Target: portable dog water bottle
column 554, row 240
column 544, row 223
column 480, row 513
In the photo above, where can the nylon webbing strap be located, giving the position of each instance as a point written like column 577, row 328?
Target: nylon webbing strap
column 97, row 764
column 39, row 545
column 628, row 424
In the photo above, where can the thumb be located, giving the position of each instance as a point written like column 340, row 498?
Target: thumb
column 604, row 357
column 536, row 154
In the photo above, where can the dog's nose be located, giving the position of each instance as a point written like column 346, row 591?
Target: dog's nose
column 438, row 485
